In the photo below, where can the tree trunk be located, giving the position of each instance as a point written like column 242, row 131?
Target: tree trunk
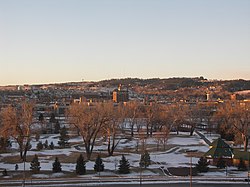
column 245, row 141
column 151, row 130
column 191, row 131
column 109, row 141
column 88, row 150
column 21, row 155
column 147, row 130
column 132, row 129
column 21, row 150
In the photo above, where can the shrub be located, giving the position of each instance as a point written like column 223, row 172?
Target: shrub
column 202, row 165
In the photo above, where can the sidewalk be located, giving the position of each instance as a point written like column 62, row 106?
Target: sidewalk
column 203, row 137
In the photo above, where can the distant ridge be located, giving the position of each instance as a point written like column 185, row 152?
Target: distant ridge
column 159, row 83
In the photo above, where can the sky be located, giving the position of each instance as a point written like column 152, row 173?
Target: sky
column 50, row 41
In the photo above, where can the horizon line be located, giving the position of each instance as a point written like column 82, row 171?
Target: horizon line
column 122, row 78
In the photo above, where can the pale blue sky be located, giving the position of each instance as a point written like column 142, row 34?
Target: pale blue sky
column 45, row 41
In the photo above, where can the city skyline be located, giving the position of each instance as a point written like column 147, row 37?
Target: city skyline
column 64, row 41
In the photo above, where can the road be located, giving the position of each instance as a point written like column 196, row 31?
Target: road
column 127, row 182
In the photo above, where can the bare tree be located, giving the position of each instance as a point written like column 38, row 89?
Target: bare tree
column 162, row 137
column 89, row 120
column 17, row 124
column 132, row 112
column 152, row 115
column 235, row 116
column 207, row 111
column 177, row 114
column 111, row 128
column 162, row 124
column 192, row 116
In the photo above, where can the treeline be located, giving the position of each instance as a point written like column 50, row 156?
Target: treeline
column 113, row 122
column 236, row 85
column 177, row 83
column 168, row 84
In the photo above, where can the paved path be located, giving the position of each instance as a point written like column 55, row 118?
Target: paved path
column 203, row 137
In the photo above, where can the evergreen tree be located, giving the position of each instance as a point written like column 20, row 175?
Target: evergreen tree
column 80, row 166
column 5, row 172
column 64, row 138
column 16, row 167
column 57, row 127
column 202, row 165
column 56, row 166
column 39, row 146
column 124, row 167
column 221, row 163
column 35, row 164
column 99, row 166
column 51, row 145
column 145, row 160
column 46, row 144
column 242, row 166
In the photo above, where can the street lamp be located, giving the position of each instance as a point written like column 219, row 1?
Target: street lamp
column 140, row 175
column 248, row 168
column 99, row 165
column 191, row 172
column 24, row 159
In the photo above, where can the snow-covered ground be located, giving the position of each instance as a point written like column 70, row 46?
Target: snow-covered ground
column 175, row 156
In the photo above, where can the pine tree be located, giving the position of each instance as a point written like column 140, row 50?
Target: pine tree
column 124, row 167
column 145, row 160
column 64, row 138
column 35, row 165
column 56, row 166
column 221, row 163
column 202, row 165
column 80, row 166
column 51, row 145
column 99, row 166
column 39, row 146
column 242, row 166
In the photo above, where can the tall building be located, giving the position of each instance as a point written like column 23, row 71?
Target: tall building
column 120, row 95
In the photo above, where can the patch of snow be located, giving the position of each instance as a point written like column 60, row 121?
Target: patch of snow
column 42, row 176
column 58, row 174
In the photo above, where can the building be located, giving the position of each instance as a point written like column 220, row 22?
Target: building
column 120, row 95
column 220, row 149
column 238, row 155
